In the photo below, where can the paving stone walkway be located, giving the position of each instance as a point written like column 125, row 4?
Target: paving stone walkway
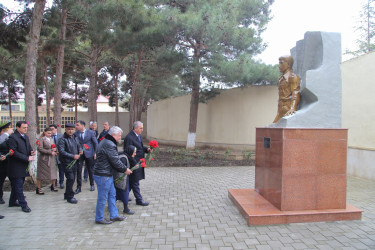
column 189, row 209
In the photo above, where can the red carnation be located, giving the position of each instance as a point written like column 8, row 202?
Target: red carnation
column 143, row 163
column 11, row 152
column 38, row 142
column 101, row 138
column 53, row 146
column 85, row 146
column 153, row 144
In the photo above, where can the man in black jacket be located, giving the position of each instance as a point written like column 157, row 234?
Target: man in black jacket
column 17, row 165
column 69, row 150
column 134, row 138
column 108, row 161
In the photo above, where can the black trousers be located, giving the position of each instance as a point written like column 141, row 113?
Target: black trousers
column 70, row 175
column 61, row 174
column 3, row 175
column 134, row 185
column 17, row 191
column 89, row 162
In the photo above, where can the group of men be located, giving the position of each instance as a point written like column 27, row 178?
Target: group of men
column 71, row 155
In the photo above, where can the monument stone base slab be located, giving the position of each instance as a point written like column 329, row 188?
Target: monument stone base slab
column 300, row 176
column 256, row 210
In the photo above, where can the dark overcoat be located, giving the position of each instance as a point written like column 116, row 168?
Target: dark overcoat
column 18, row 162
column 132, row 139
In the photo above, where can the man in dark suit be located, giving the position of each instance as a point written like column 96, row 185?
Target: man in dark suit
column 93, row 126
column 69, row 150
column 17, row 165
column 86, row 136
column 56, row 136
column 134, row 138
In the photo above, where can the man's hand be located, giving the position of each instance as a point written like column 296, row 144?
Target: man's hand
column 2, row 158
column 94, row 156
column 81, row 152
column 32, row 153
column 128, row 171
column 150, row 150
column 31, row 158
column 76, row 157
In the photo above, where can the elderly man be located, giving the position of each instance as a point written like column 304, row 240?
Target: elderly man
column 69, row 150
column 134, row 138
column 87, row 137
column 17, row 165
column 108, row 161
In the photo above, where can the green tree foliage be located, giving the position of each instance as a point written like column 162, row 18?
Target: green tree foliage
column 215, row 36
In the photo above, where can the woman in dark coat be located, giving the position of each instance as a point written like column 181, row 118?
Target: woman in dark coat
column 123, row 195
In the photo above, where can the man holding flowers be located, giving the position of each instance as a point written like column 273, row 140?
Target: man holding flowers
column 86, row 137
column 70, row 150
column 107, row 162
column 134, row 138
column 17, row 165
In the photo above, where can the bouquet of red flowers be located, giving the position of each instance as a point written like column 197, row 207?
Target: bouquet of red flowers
column 53, row 146
column 154, row 145
column 85, row 147
column 141, row 163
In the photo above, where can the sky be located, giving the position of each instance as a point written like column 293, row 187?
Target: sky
column 293, row 18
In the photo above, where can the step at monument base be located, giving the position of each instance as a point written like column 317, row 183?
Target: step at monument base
column 256, row 210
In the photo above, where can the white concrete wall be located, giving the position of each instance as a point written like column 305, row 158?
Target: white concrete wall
column 227, row 121
column 358, row 110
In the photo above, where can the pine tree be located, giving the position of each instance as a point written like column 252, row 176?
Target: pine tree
column 211, row 34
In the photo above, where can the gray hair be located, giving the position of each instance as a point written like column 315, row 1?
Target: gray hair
column 114, row 130
column 93, row 122
column 136, row 124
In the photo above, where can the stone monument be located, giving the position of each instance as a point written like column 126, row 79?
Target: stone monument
column 300, row 165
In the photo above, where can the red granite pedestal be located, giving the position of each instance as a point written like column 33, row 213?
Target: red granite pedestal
column 300, row 176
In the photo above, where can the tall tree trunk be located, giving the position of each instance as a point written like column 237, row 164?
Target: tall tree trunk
column 37, row 116
column 117, row 117
column 60, row 69
column 44, row 74
column 10, row 101
column 190, row 143
column 134, row 96
column 92, row 109
column 76, row 102
column 30, row 69
column 142, row 102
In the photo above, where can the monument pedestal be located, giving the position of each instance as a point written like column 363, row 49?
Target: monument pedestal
column 300, row 176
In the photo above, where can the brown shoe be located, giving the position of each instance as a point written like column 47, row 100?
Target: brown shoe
column 104, row 221
column 120, row 218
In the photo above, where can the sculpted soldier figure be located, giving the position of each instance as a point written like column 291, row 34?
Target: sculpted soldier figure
column 289, row 89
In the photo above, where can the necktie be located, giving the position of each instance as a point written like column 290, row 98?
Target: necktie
column 82, row 136
column 54, row 139
column 139, row 138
